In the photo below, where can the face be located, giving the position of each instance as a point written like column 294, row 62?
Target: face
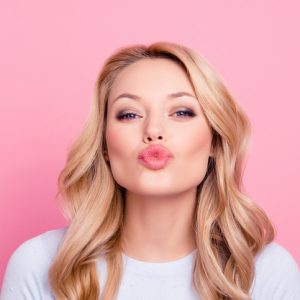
column 151, row 116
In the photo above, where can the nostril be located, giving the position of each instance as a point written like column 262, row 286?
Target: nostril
column 150, row 139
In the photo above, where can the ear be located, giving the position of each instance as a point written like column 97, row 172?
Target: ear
column 211, row 152
column 104, row 151
column 105, row 154
column 212, row 144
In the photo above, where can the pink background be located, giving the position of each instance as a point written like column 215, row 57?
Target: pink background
column 52, row 51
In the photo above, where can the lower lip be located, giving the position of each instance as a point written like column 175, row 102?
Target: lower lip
column 155, row 163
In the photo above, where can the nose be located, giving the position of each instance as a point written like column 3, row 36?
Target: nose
column 154, row 130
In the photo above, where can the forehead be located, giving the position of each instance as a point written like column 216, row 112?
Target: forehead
column 153, row 76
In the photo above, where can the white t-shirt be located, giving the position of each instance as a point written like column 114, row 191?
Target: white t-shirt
column 277, row 275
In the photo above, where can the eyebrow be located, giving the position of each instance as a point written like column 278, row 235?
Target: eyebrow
column 169, row 96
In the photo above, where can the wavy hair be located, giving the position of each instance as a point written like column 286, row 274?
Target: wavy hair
column 230, row 229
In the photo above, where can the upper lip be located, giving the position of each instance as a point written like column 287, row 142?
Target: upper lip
column 155, row 151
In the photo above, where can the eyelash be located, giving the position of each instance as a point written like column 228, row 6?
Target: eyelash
column 122, row 116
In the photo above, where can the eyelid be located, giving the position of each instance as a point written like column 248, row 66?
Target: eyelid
column 176, row 107
column 190, row 114
column 130, row 110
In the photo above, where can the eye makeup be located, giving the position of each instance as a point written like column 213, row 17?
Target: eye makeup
column 184, row 113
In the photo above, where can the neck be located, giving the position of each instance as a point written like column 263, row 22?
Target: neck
column 159, row 228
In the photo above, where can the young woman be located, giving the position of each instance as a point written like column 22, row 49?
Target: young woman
column 152, row 189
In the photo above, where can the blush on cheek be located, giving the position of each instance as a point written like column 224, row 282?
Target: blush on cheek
column 113, row 139
column 198, row 157
column 200, row 142
column 121, row 146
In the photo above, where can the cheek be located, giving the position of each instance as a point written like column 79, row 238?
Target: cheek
column 194, row 150
column 121, row 148
column 113, row 139
column 196, row 142
column 120, row 144
column 202, row 144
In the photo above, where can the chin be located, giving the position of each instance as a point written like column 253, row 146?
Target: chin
column 156, row 190
column 149, row 189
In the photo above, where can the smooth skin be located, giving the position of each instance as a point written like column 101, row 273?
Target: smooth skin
column 159, row 203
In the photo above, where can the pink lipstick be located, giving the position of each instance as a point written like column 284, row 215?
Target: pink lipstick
column 155, row 157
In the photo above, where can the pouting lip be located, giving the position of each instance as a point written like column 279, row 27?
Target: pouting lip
column 155, row 163
column 155, row 151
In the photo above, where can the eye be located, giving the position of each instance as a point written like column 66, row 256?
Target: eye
column 128, row 115
column 131, row 115
column 185, row 113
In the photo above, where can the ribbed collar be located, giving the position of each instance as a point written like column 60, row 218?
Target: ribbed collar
column 182, row 265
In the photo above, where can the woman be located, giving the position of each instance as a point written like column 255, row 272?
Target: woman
column 152, row 189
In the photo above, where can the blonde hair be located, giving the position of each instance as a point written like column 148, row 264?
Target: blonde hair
column 230, row 229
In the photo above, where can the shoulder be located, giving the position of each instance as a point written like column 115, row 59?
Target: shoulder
column 27, row 268
column 277, row 274
column 275, row 257
column 38, row 248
